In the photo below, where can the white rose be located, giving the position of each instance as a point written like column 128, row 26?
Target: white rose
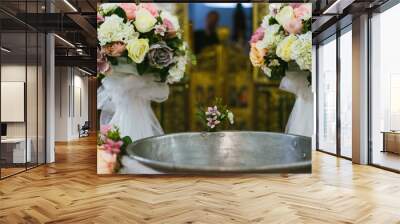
column 110, row 29
column 301, row 51
column 105, row 8
column 285, row 15
column 137, row 49
column 127, row 33
column 176, row 72
column 284, row 48
column 230, row 117
column 271, row 37
column 173, row 19
column 144, row 21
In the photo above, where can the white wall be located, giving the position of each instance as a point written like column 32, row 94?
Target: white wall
column 71, row 102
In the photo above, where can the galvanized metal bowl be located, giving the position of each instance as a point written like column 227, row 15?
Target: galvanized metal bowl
column 224, row 152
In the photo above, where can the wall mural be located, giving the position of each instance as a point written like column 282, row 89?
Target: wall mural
column 186, row 70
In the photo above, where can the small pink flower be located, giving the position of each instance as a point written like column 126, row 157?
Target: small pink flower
column 129, row 9
column 104, row 129
column 302, row 11
column 258, row 35
column 160, row 29
column 151, row 8
column 212, row 123
column 294, row 26
column 213, row 111
column 100, row 18
column 111, row 146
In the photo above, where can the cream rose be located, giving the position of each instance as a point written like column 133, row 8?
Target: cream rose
column 285, row 15
column 145, row 21
column 284, row 48
column 137, row 49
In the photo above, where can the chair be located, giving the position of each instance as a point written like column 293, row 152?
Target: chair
column 84, row 130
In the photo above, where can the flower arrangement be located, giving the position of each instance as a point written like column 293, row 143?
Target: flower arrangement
column 142, row 35
column 215, row 116
column 111, row 147
column 284, row 37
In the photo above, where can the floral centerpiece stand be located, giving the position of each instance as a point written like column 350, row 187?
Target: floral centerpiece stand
column 282, row 48
column 140, row 52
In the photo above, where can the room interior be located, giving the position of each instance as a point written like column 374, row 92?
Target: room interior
column 27, row 59
column 50, row 83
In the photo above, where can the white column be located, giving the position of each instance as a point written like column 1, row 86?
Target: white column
column 314, row 91
column 360, row 90
column 50, row 94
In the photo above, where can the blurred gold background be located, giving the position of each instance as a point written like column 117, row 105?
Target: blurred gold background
column 223, row 70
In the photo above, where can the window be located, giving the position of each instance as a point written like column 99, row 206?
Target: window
column 385, row 89
column 22, row 77
column 327, row 96
column 346, row 95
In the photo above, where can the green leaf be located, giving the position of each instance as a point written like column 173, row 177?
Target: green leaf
column 272, row 21
column 142, row 67
column 163, row 74
column 121, row 13
column 112, row 60
column 306, row 26
column 127, row 140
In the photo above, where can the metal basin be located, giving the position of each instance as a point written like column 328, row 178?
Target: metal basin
column 224, row 152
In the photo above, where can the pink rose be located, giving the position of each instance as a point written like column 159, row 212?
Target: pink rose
column 294, row 26
column 100, row 18
column 129, row 9
column 151, row 8
column 104, row 129
column 303, row 11
column 115, row 49
column 168, row 24
column 258, row 35
column 295, row 5
column 160, row 29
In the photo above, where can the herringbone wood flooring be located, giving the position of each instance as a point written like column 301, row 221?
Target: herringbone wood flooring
column 69, row 191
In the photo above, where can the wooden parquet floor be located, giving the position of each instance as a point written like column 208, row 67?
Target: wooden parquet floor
column 69, row 191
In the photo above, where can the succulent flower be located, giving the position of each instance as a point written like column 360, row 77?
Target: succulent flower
column 160, row 55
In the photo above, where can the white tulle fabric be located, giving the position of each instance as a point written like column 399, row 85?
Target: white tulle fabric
column 125, row 101
column 301, row 118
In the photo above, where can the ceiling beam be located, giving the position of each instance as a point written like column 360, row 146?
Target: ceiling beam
column 87, row 27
